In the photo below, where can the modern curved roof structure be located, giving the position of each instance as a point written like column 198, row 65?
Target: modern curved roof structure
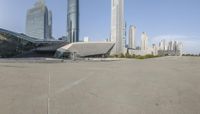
column 24, row 44
column 17, row 35
column 27, row 38
column 86, row 49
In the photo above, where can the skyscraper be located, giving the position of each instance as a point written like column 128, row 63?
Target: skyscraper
column 170, row 46
column 73, row 20
column 37, row 21
column 132, row 33
column 175, row 45
column 162, row 45
column 180, row 48
column 50, row 24
column 144, row 39
column 117, row 26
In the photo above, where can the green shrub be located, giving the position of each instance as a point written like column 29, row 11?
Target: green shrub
column 140, row 57
column 149, row 56
column 121, row 55
column 133, row 56
column 127, row 55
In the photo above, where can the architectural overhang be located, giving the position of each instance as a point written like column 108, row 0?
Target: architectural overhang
column 87, row 49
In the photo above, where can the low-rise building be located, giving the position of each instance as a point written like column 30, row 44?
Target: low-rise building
column 85, row 49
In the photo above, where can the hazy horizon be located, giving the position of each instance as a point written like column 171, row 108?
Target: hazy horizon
column 170, row 19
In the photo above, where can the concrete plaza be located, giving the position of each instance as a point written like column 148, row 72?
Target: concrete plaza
column 168, row 85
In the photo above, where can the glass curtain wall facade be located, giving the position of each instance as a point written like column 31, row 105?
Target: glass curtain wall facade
column 117, row 26
column 39, row 21
column 73, row 20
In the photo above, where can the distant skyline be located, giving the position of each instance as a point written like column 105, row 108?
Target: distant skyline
column 161, row 19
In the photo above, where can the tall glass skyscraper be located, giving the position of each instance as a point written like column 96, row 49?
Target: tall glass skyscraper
column 39, row 21
column 73, row 20
column 117, row 26
column 50, row 22
column 132, row 34
column 144, row 39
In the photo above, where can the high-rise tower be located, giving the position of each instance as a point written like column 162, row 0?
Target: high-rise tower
column 38, row 24
column 144, row 39
column 73, row 20
column 117, row 26
column 50, row 24
column 132, row 34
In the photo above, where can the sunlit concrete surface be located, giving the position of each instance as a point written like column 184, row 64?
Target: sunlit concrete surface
column 169, row 85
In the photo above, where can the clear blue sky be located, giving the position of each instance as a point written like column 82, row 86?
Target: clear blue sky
column 161, row 19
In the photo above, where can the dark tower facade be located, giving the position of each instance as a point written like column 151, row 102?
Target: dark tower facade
column 73, row 20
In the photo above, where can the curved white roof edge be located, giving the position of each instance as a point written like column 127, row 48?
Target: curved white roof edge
column 88, row 48
column 76, row 43
column 91, row 42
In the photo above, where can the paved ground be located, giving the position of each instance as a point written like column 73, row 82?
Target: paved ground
column 169, row 85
